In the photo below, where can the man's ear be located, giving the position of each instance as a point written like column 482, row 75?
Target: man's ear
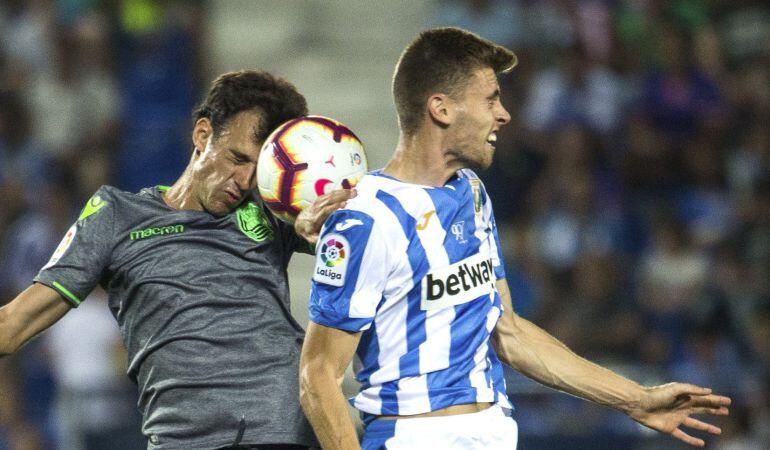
column 441, row 109
column 201, row 133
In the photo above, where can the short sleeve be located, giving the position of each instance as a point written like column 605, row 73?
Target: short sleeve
column 494, row 239
column 350, row 272
column 498, row 262
column 84, row 252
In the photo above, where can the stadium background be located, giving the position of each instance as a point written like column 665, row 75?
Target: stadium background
column 632, row 187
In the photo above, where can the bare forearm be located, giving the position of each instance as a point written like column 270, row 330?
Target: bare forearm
column 31, row 312
column 538, row 355
column 326, row 409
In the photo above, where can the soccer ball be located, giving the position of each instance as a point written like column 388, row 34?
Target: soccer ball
column 305, row 158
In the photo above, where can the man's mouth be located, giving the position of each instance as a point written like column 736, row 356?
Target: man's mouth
column 232, row 197
column 491, row 139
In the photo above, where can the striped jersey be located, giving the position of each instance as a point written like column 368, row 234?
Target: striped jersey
column 414, row 268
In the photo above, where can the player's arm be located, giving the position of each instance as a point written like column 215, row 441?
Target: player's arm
column 326, row 354
column 35, row 309
column 538, row 355
column 311, row 219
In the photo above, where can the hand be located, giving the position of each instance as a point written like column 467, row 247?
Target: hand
column 311, row 219
column 665, row 408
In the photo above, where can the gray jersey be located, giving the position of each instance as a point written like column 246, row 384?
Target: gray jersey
column 203, row 306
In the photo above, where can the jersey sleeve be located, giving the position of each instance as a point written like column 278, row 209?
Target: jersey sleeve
column 498, row 261
column 350, row 272
column 83, row 254
column 292, row 242
column 483, row 205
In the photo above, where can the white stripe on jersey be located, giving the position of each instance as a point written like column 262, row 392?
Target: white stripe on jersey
column 391, row 317
column 412, row 395
column 434, row 352
column 369, row 400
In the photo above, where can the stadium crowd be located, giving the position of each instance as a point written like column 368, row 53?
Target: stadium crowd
column 632, row 190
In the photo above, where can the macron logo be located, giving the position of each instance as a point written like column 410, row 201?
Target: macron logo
column 349, row 223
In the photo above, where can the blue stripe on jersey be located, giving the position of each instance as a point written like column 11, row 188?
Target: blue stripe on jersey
column 409, row 363
column 465, row 342
column 377, row 433
column 389, row 399
column 335, row 314
column 456, row 207
column 500, row 269
column 496, row 374
column 369, row 353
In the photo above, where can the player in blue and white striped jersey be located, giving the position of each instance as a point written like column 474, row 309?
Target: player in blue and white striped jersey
column 414, row 267
column 410, row 277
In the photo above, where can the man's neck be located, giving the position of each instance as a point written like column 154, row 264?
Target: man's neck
column 180, row 194
column 420, row 159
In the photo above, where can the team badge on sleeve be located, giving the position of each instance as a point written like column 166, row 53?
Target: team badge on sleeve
column 332, row 258
column 93, row 206
column 62, row 247
column 476, row 188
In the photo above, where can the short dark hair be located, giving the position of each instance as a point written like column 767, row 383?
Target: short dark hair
column 276, row 99
column 441, row 60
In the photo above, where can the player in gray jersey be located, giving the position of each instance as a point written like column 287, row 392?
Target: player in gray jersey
column 196, row 276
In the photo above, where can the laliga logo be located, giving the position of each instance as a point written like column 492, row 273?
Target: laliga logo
column 333, row 253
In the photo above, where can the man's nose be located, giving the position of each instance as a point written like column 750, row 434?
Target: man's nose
column 246, row 177
column 503, row 116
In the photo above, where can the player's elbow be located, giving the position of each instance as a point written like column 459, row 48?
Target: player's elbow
column 312, row 383
column 308, row 390
column 507, row 343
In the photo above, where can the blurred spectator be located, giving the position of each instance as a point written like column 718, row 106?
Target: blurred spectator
column 23, row 158
column 16, row 433
column 678, row 97
column 497, row 20
column 27, row 34
column 157, row 78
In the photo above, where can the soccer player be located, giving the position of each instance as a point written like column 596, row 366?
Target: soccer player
column 196, row 277
column 410, row 277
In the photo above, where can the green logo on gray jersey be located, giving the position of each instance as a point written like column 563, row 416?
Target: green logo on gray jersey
column 93, row 206
column 253, row 222
column 155, row 231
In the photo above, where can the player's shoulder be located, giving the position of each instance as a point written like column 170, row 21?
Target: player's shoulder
column 123, row 203
column 366, row 189
column 362, row 213
column 467, row 173
column 471, row 176
column 349, row 221
column 477, row 186
column 106, row 192
column 103, row 199
column 374, row 190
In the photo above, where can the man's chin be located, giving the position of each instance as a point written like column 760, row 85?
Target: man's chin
column 220, row 209
column 479, row 165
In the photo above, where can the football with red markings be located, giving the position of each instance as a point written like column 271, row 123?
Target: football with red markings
column 305, row 158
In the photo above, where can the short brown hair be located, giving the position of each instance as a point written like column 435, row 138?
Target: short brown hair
column 441, row 60
column 276, row 99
